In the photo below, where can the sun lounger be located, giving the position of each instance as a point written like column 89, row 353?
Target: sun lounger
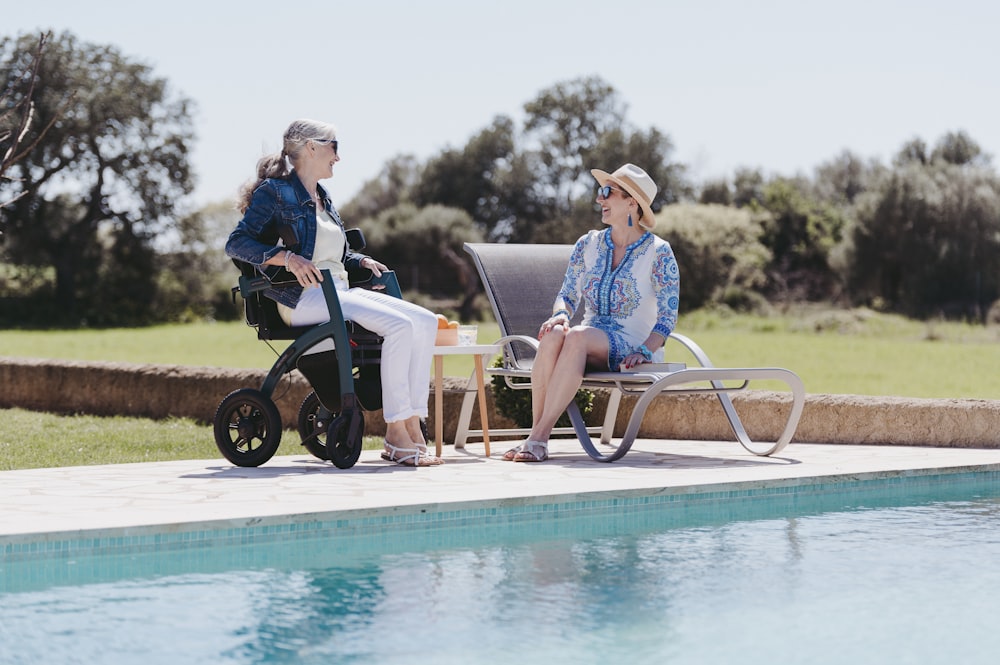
column 522, row 282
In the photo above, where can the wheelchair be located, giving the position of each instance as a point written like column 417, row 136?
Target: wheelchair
column 345, row 381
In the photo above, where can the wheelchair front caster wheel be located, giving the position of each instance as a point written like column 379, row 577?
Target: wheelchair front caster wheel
column 247, row 427
column 319, row 428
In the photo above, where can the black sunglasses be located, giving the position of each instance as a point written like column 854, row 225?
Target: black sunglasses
column 332, row 142
column 605, row 191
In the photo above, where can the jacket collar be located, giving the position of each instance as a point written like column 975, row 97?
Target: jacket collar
column 302, row 194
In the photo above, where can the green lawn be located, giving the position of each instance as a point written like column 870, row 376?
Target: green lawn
column 855, row 352
column 859, row 352
column 197, row 344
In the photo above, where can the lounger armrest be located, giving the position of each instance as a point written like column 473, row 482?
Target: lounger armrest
column 508, row 356
column 693, row 348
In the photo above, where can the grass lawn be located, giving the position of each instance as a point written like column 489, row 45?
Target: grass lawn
column 852, row 352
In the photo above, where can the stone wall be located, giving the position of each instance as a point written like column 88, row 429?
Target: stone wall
column 161, row 391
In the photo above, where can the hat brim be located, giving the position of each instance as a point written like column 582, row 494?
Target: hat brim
column 648, row 220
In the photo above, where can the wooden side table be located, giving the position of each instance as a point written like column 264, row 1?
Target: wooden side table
column 478, row 352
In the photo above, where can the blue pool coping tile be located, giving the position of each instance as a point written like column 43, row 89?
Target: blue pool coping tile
column 378, row 529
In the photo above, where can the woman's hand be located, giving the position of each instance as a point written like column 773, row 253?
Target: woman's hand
column 304, row 270
column 373, row 265
column 633, row 359
column 640, row 355
column 558, row 320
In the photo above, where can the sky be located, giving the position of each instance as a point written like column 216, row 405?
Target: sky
column 779, row 85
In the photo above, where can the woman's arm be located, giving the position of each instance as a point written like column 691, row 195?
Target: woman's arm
column 667, row 285
column 255, row 238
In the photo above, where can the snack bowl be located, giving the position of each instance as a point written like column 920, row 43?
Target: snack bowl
column 447, row 337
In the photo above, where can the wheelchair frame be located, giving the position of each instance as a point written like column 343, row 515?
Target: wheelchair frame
column 247, row 424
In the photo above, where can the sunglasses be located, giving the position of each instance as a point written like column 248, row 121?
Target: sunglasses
column 605, row 192
column 332, row 142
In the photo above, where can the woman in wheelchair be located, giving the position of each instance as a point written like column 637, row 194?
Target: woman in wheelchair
column 289, row 221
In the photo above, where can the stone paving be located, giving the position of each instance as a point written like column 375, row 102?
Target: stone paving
column 163, row 496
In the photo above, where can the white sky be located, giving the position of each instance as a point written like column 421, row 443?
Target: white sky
column 783, row 85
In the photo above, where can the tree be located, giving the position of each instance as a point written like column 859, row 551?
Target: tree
column 719, row 253
column 913, row 151
column 843, row 179
column 17, row 118
column 716, row 192
column 567, row 123
column 927, row 241
column 800, row 231
column 959, row 149
column 516, row 185
column 748, row 187
column 424, row 247
column 471, row 178
column 394, row 185
column 101, row 184
column 195, row 275
column 579, row 125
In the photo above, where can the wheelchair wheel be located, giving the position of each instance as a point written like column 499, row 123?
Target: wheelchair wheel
column 247, row 427
column 318, row 426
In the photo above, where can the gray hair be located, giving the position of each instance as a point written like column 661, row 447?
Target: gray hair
column 276, row 164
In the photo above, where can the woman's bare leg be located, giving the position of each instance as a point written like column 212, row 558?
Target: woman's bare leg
column 541, row 370
column 579, row 347
column 415, row 433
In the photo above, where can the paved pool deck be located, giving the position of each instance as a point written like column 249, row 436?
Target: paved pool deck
column 42, row 504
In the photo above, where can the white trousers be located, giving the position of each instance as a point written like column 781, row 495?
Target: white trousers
column 408, row 331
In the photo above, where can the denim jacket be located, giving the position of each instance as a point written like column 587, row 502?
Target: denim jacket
column 282, row 210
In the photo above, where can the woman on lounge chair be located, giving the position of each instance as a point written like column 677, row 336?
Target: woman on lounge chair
column 627, row 281
column 289, row 220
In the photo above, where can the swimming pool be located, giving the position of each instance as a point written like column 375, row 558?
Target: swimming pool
column 900, row 570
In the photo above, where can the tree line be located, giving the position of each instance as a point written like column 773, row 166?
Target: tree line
column 92, row 230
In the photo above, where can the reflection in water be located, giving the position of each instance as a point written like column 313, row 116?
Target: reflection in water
column 907, row 583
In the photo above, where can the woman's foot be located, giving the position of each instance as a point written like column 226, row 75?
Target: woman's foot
column 415, row 431
column 412, row 455
column 529, row 451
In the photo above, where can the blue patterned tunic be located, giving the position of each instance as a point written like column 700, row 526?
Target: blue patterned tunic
column 640, row 295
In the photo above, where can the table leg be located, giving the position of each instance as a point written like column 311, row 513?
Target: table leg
column 438, row 405
column 481, row 389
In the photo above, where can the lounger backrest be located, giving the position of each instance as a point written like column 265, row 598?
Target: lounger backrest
column 522, row 282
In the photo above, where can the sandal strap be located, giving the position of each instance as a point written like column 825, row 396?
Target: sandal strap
column 407, row 454
column 537, row 449
column 412, row 453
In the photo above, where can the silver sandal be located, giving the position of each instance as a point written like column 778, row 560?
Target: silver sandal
column 532, row 451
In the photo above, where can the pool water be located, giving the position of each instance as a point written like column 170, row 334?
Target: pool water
column 872, row 578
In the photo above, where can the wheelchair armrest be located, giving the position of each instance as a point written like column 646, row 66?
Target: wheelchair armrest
column 386, row 282
column 279, row 276
column 256, row 280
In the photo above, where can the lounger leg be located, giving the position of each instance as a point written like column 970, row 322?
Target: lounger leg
column 583, row 436
column 715, row 377
column 767, row 449
column 611, row 416
column 465, row 415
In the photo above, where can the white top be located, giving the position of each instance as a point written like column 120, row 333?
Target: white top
column 628, row 301
column 329, row 251
column 327, row 255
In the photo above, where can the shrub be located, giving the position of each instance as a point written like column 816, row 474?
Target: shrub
column 718, row 251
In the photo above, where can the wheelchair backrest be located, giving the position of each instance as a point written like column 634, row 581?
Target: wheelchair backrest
column 261, row 312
